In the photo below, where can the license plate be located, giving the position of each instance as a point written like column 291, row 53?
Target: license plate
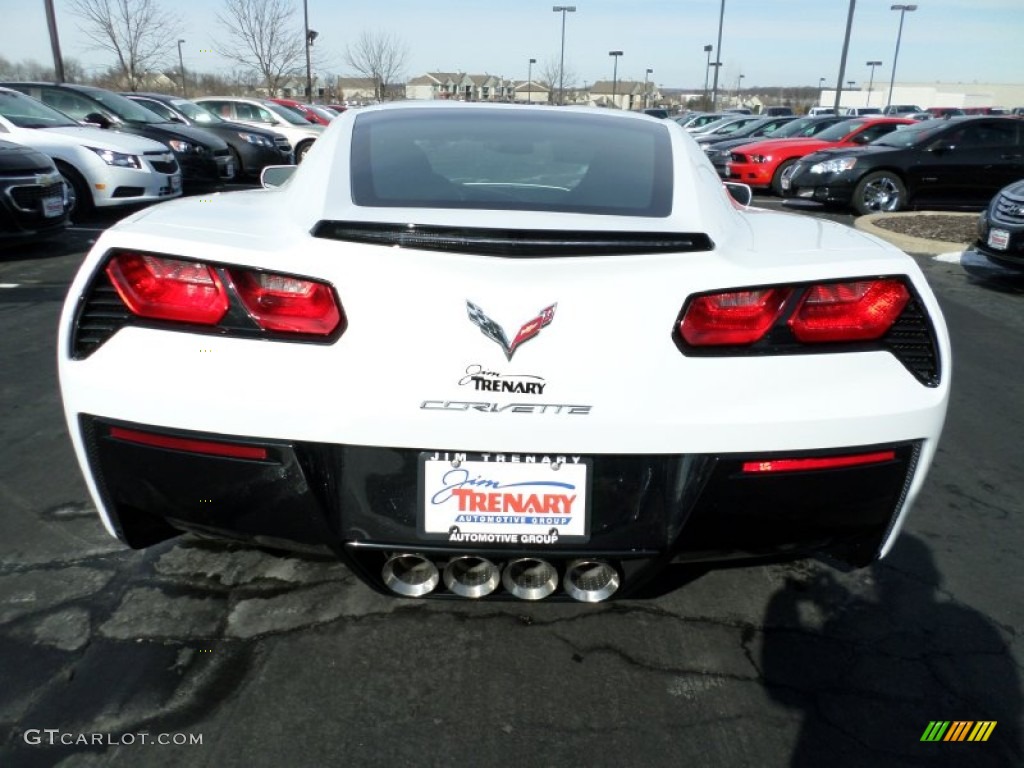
column 52, row 207
column 507, row 499
column 176, row 182
column 999, row 239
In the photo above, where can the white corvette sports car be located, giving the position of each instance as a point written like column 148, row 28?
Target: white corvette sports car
column 496, row 350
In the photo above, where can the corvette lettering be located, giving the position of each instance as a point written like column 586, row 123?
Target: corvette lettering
column 496, row 333
column 466, row 405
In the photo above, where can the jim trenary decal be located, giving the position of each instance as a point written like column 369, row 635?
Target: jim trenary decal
column 525, row 500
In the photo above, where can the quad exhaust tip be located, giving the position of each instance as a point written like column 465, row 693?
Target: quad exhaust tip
column 471, row 576
column 410, row 575
column 590, row 581
column 530, row 578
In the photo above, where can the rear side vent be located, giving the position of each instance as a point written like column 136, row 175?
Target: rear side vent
column 515, row 243
column 100, row 315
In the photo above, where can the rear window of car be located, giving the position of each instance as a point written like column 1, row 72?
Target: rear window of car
column 507, row 159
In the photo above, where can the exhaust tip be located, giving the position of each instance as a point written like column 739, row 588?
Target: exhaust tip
column 471, row 576
column 590, row 581
column 530, row 578
column 410, row 575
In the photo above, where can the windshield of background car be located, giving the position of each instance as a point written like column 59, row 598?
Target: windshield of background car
column 287, row 114
column 194, row 112
column 539, row 160
column 126, row 109
column 26, row 112
column 910, row 135
column 839, row 131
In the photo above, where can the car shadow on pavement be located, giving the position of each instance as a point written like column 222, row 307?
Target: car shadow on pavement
column 870, row 677
column 988, row 274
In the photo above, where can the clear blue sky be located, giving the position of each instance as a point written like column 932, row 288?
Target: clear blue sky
column 770, row 42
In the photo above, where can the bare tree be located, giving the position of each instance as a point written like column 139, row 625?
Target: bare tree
column 138, row 32
column 263, row 36
column 378, row 56
column 549, row 75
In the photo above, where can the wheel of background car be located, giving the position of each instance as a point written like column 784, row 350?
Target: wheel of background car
column 777, row 178
column 301, row 150
column 79, row 197
column 880, row 192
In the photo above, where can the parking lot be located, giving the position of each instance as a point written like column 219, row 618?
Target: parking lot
column 214, row 654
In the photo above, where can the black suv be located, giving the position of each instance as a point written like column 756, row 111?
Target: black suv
column 203, row 157
column 252, row 148
column 33, row 200
column 960, row 162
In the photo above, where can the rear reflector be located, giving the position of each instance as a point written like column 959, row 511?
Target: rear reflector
column 737, row 317
column 855, row 311
column 819, row 462
column 208, row 447
column 160, row 288
column 288, row 304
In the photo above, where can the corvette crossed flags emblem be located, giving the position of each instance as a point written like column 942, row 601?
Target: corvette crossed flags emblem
column 496, row 333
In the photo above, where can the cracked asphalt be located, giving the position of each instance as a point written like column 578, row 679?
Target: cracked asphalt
column 273, row 659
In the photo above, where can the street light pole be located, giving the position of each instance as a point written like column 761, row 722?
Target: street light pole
column 842, row 59
column 718, row 58
column 821, row 90
column 871, row 82
column 646, row 100
column 181, row 68
column 529, row 81
column 615, row 75
column 309, row 42
column 707, row 71
column 563, row 9
column 903, row 12
column 58, row 60
column 739, row 82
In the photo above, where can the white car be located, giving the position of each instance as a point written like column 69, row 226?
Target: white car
column 494, row 350
column 100, row 168
column 263, row 113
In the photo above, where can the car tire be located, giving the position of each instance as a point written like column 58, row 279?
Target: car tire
column 879, row 192
column 79, row 196
column 777, row 176
column 301, row 150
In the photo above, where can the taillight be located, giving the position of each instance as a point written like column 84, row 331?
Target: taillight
column 287, row 304
column 190, row 445
column 853, row 311
column 736, row 317
column 162, row 288
column 817, row 462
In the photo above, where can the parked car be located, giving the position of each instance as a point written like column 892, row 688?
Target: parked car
column 815, row 111
column 720, row 152
column 305, row 110
column 251, row 148
column 900, row 110
column 777, row 111
column 202, row 157
column 33, row 199
column 762, row 126
column 101, row 168
column 1001, row 227
column 659, row 112
column 726, row 126
column 623, row 367
column 263, row 113
column 956, row 163
column 693, row 122
column 861, row 111
column 918, row 115
column 945, row 111
column 762, row 164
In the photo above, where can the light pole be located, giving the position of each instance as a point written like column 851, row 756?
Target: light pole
column 615, row 75
column 871, row 82
column 646, row 74
column 707, row 71
column 739, row 81
column 821, row 90
column 529, row 81
column 562, row 9
column 718, row 58
column 903, row 12
column 181, row 68
column 58, row 60
column 310, row 36
column 842, row 58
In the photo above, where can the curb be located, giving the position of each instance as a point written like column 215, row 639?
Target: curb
column 906, row 242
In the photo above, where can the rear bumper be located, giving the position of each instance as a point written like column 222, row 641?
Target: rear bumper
column 363, row 503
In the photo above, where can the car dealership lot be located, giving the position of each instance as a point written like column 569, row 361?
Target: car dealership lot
column 278, row 659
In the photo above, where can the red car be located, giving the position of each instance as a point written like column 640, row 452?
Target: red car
column 311, row 115
column 762, row 164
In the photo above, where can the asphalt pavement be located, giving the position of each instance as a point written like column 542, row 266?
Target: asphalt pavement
column 270, row 659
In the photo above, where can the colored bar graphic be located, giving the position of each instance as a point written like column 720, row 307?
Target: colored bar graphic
column 958, row 730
